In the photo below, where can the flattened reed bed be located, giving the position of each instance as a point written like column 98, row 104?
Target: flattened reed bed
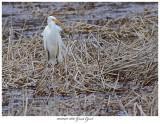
column 107, row 70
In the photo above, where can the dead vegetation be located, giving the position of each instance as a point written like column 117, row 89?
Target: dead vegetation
column 107, row 70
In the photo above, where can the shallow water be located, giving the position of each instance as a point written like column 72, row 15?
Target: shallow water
column 27, row 18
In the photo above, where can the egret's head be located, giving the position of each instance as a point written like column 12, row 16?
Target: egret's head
column 52, row 18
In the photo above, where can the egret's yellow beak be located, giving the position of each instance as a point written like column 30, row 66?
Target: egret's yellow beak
column 57, row 21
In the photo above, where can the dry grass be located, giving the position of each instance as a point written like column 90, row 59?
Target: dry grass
column 107, row 70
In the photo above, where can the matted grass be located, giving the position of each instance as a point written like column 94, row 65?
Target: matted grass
column 107, row 70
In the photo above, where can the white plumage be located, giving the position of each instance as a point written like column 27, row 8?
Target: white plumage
column 52, row 40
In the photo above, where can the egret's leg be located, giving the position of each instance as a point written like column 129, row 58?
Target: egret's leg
column 48, row 55
column 57, row 60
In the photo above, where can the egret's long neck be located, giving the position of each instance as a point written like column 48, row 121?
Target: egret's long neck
column 52, row 25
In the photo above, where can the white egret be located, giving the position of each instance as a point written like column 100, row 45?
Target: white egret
column 52, row 40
